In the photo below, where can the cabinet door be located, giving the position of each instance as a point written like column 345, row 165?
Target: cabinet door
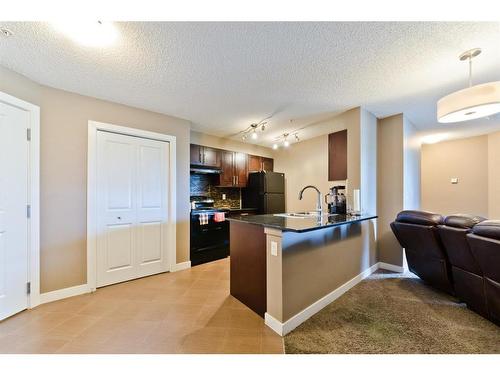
column 240, row 169
column 211, row 157
column 254, row 163
column 337, row 156
column 227, row 167
column 196, row 156
column 267, row 164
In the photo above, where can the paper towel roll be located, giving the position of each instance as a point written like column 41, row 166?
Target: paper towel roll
column 356, row 203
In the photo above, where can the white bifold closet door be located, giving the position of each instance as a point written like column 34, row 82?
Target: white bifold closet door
column 132, row 198
column 14, row 183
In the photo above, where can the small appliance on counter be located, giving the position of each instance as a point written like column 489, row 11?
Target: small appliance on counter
column 336, row 200
column 209, row 231
column 265, row 191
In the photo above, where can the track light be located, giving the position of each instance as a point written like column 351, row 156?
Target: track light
column 254, row 135
column 297, row 138
column 244, row 137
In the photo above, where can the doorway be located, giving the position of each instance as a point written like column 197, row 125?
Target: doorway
column 131, row 204
column 19, row 205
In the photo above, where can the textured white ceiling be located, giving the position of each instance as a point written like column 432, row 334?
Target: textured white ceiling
column 223, row 76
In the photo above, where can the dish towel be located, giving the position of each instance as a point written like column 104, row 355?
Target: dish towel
column 219, row 216
column 203, row 219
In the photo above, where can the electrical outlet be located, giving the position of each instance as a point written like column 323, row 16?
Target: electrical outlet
column 274, row 248
column 454, row 180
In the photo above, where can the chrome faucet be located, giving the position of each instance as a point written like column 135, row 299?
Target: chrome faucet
column 319, row 204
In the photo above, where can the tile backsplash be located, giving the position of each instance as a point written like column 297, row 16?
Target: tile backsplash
column 205, row 185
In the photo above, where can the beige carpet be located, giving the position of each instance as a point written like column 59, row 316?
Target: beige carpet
column 394, row 313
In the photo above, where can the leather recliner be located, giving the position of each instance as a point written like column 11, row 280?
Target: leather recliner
column 468, row 278
column 485, row 245
column 417, row 232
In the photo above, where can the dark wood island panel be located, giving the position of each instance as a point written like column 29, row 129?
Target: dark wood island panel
column 248, row 265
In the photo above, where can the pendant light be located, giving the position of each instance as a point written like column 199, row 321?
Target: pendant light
column 471, row 103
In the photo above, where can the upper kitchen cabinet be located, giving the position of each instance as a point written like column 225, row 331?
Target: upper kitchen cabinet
column 254, row 163
column 259, row 163
column 234, row 169
column 268, row 164
column 205, row 156
column 337, row 156
column 227, row 169
column 240, row 169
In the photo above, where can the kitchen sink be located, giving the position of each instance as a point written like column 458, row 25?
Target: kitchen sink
column 303, row 215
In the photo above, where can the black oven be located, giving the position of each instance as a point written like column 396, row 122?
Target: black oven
column 209, row 238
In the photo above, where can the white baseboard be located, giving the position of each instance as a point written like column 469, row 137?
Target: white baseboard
column 390, row 267
column 292, row 323
column 180, row 266
column 64, row 293
column 274, row 324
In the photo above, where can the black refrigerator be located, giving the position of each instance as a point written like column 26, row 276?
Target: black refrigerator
column 266, row 192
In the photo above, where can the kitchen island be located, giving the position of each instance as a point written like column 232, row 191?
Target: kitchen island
column 286, row 268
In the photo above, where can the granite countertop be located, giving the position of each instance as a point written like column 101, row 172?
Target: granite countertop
column 300, row 224
column 234, row 209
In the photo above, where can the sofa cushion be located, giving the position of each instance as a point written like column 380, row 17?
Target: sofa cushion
column 463, row 221
column 488, row 228
column 419, row 217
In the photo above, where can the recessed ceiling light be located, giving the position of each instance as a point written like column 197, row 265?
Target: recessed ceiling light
column 6, row 32
column 88, row 33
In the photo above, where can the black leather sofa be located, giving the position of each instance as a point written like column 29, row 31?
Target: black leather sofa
column 458, row 254
column 417, row 232
column 485, row 245
column 467, row 276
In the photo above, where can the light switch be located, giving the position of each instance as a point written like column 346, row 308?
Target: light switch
column 274, row 248
column 454, row 180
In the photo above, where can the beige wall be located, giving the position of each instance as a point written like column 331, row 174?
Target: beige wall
column 466, row 159
column 64, row 119
column 494, row 175
column 306, row 162
column 229, row 144
column 390, row 186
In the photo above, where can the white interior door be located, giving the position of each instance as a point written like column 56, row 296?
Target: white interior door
column 14, row 171
column 132, row 192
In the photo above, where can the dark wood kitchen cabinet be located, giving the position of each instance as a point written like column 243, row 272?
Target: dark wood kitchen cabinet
column 267, row 164
column 234, row 169
column 254, row 163
column 240, row 169
column 337, row 156
column 227, row 169
column 205, row 156
column 259, row 163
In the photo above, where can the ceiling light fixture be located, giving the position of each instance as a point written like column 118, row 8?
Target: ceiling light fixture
column 286, row 143
column 88, row 33
column 254, row 135
column 252, row 130
column 275, row 146
column 471, row 103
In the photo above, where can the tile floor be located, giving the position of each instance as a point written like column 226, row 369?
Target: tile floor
column 189, row 311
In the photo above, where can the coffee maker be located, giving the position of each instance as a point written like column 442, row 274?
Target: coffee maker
column 336, row 200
